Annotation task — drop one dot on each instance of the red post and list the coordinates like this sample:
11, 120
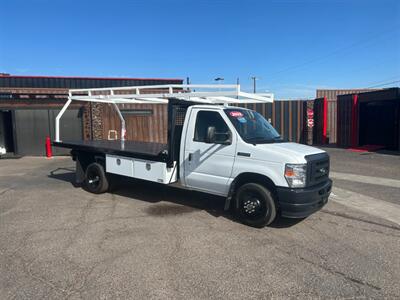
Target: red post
325, 121
354, 122
49, 152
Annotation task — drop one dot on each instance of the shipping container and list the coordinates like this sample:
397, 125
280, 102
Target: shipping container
370, 118
331, 96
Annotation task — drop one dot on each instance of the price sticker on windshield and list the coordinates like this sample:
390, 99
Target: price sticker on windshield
236, 114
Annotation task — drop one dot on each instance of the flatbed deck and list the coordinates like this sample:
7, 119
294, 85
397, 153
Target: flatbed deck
144, 150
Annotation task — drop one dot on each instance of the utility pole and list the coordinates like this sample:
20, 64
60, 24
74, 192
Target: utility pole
237, 83
254, 78
187, 82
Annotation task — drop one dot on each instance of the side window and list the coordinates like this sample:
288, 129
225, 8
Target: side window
206, 119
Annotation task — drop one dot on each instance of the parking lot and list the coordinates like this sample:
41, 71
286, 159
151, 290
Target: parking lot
144, 240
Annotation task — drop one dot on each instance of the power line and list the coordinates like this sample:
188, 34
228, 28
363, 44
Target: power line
332, 53
384, 80
383, 84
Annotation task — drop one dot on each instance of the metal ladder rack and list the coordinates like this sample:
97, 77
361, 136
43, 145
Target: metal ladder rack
156, 94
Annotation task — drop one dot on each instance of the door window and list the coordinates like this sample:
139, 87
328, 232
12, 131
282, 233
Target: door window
206, 119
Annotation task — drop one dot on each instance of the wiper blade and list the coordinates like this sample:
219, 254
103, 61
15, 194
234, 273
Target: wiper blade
260, 139
256, 138
263, 140
280, 139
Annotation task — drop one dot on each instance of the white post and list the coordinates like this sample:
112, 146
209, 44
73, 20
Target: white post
123, 128
237, 89
59, 117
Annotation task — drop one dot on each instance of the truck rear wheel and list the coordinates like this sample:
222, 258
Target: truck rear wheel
95, 179
255, 205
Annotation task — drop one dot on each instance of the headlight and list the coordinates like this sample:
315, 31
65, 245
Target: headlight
296, 174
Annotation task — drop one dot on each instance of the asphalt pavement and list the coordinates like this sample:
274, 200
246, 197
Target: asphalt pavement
371, 174
145, 240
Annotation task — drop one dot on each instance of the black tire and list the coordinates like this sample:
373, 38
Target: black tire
255, 205
96, 180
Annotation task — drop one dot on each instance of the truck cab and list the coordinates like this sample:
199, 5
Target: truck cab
236, 153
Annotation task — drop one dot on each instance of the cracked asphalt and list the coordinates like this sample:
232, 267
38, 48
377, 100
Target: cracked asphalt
148, 241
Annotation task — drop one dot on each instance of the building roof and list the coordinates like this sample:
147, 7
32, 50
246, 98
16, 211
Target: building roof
331, 94
71, 82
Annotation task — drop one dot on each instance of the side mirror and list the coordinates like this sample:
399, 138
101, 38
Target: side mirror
210, 135
213, 137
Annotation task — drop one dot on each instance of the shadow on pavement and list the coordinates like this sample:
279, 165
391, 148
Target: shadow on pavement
166, 200
282, 222
379, 151
64, 174
388, 152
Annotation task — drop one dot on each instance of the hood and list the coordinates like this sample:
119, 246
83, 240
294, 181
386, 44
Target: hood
284, 152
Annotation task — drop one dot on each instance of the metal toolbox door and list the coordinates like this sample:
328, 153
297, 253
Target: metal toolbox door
119, 165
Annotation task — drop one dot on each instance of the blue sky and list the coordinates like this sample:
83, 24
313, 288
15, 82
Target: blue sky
293, 46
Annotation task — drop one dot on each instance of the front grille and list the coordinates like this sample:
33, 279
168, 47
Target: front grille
317, 168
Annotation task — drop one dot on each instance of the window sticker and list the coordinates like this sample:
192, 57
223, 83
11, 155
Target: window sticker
242, 120
236, 114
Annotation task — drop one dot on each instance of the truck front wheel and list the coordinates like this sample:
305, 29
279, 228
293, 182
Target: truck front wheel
255, 205
95, 179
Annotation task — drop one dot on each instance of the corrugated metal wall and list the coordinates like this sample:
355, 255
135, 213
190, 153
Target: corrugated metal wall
332, 124
331, 95
349, 123
344, 120
318, 108
288, 117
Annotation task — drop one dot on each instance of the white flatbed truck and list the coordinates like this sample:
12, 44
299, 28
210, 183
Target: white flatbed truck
213, 148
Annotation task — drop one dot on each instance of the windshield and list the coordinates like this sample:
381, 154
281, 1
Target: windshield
252, 126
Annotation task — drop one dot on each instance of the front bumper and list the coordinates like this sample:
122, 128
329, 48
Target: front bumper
302, 202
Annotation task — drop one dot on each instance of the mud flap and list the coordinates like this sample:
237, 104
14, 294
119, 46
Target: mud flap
230, 195
80, 172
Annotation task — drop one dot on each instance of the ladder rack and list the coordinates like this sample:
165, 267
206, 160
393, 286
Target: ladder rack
212, 94
156, 94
